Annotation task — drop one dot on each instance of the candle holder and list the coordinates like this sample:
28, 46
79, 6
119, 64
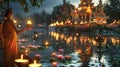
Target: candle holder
21, 62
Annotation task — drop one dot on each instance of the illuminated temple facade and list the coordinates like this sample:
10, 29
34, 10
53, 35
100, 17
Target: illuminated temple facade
88, 13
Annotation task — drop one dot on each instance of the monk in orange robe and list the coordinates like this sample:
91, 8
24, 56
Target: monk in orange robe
10, 47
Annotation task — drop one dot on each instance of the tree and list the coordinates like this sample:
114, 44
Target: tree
112, 9
41, 18
36, 18
62, 12
26, 4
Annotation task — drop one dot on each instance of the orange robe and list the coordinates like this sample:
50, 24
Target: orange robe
10, 43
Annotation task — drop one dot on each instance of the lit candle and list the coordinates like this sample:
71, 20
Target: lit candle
35, 64
14, 21
34, 61
21, 60
19, 26
29, 24
21, 57
53, 54
54, 64
26, 51
46, 44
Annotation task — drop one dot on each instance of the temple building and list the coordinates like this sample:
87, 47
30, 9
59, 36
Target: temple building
87, 12
99, 14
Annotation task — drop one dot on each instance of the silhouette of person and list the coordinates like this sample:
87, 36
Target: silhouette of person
9, 32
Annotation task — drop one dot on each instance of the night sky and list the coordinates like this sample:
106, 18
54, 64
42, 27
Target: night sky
47, 5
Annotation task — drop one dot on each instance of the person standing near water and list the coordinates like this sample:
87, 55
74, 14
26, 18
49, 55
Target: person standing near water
9, 32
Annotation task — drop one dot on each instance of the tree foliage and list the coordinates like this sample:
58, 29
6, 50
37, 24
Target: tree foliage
41, 18
112, 9
26, 4
36, 18
62, 12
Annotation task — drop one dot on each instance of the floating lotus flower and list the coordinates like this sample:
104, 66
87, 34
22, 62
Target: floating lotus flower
37, 57
22, 47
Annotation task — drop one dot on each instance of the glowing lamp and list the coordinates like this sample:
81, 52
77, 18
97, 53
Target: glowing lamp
46, 44
14, 21
29, 24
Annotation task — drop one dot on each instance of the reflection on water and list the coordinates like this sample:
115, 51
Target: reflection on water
84, 39
101, 53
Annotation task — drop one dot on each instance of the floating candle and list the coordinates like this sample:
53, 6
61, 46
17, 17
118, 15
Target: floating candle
29, 22
35, 64
54, 64
21, 60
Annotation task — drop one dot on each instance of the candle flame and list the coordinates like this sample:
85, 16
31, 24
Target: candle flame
54, 63
29, 22
34, 61
46, 43
26, 50
21, 56
14, 21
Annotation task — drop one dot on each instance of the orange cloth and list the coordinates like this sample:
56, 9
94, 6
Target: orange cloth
10, 43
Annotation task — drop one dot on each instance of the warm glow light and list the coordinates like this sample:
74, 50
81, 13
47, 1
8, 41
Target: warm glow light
89, 10
61, 23
68, 40
36, 35
57, 23
53, 54
77, 34
35, 64
26, 50
94, 42
21, 60
19, 25
57, 36
79, 51
79, 8
14, 21
21, 57
46, 44
113, 40
54, 64
29, 22
34, 61
62, 36
75, 38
